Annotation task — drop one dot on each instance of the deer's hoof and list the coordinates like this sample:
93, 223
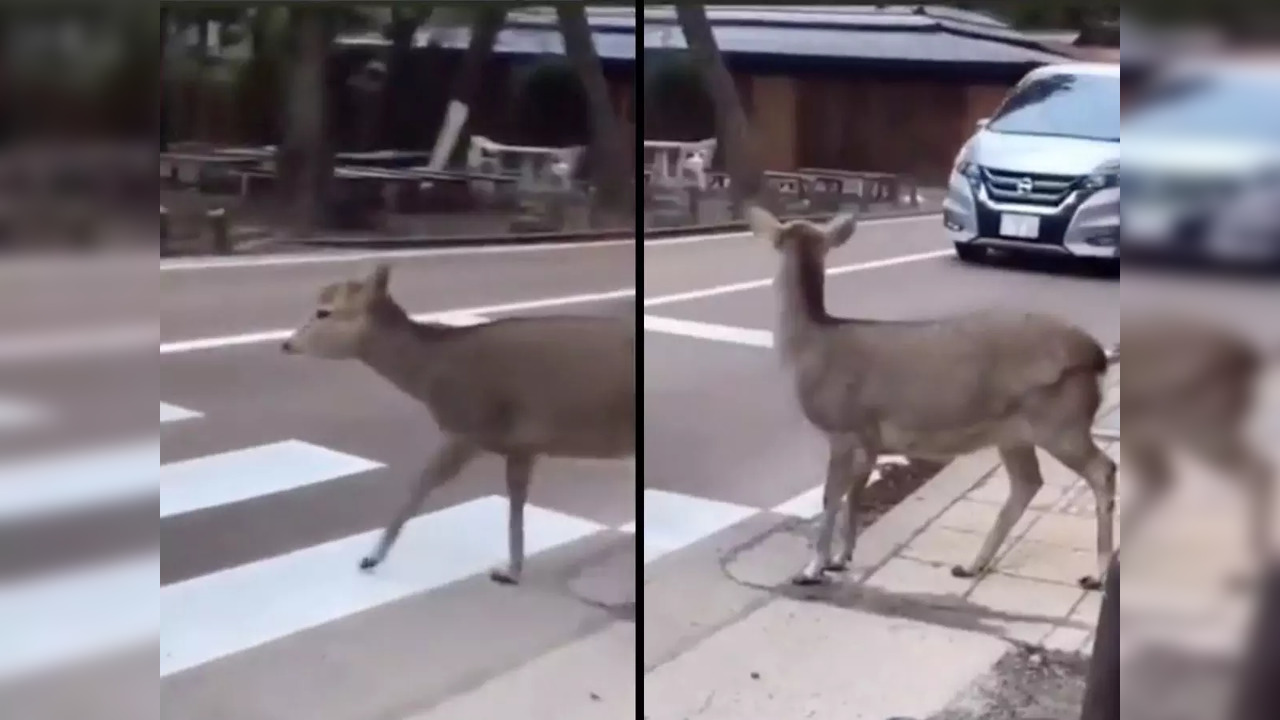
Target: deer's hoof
502, 577
368, 563
837, 566
960, 571
1089, 582
807, 580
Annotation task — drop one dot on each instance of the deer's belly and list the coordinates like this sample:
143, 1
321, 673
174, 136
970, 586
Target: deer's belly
943, 443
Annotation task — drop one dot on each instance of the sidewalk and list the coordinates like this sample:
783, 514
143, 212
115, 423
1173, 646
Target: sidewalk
899, 636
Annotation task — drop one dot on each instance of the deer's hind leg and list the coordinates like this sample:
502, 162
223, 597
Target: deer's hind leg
850, 463
1080, 453
1023, 468
444, 466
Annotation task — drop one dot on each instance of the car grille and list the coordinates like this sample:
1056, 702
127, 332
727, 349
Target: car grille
1176, 189
1028, 188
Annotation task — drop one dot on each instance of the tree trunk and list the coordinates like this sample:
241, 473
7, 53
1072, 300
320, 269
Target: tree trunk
466, 85
305, 158
742, 159
612, 164
397, 101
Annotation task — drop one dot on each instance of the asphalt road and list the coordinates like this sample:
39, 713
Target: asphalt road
273, 468
722, 432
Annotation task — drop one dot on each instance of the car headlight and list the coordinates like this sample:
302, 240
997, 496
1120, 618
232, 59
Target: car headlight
967, 169
1101, 180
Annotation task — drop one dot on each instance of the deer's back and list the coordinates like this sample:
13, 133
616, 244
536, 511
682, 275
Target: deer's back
958, 372
565, 384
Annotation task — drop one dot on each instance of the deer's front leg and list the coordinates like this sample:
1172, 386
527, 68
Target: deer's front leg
849, 462
519, 474
444, 466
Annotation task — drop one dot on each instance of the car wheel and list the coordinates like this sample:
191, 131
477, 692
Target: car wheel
970, 253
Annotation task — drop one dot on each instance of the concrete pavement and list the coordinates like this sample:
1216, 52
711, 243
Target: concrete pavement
274, 474
898, 635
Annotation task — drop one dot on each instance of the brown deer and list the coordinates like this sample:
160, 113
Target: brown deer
933, 390
522, 388
1192, 387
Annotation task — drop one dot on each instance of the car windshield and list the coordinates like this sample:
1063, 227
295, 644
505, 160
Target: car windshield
1222, 107
1063, 105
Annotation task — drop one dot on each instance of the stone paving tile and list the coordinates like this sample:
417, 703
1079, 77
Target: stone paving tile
1049, 563
995, 489
977, 517
1043, 606
1065, 531
905, 576
943, 546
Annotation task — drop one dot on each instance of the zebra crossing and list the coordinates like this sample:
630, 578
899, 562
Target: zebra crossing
231, 612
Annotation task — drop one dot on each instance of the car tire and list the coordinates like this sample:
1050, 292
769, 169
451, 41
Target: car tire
969, 253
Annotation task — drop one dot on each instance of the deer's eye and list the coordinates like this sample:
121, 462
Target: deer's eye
322, 314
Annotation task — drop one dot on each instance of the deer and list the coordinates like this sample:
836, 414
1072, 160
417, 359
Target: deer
933, 390
522, 388
1192, 389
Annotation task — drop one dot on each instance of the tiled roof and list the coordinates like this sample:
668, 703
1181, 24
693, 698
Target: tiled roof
861, 32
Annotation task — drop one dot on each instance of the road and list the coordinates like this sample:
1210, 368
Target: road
730, 467
275, 472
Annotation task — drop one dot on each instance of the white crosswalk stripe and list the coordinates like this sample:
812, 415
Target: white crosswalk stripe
229, 611
238, 608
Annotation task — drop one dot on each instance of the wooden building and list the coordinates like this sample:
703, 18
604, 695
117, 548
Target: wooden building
866, 88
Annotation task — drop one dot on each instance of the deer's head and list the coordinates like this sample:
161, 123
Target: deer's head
343, 317
801, 235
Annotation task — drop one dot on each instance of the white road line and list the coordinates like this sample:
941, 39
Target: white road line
709, 331
173, 413
757, 284
224, 478
674, 520
79, 479
285, 259
247, 606
464, 316
53, 620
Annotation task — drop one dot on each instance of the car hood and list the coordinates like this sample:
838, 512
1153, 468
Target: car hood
1041, 154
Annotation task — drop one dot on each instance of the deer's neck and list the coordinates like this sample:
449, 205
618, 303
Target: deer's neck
801, 285
403, 352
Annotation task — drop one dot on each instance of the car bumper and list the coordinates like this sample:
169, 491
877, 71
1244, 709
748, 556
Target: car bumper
1082, 226
1205, 235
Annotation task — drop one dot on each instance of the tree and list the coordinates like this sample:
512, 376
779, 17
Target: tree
305, 157
485, 25
612, 165
742, 159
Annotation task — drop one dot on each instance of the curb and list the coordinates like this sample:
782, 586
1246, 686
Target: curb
741, 225
582, 236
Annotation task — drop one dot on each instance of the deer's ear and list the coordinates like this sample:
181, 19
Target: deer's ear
840, 228
763, 224
379, 278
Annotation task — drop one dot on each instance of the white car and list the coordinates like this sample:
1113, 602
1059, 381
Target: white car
1042, 174
1202, 166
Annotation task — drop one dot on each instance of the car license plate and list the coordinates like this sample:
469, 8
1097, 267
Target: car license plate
1020, 226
